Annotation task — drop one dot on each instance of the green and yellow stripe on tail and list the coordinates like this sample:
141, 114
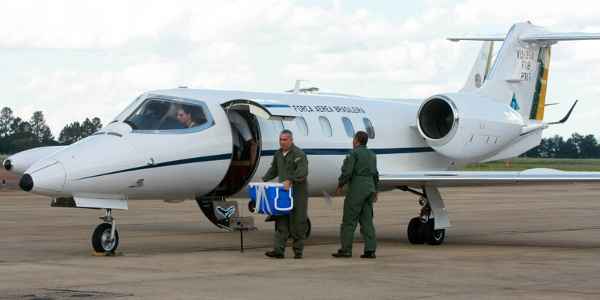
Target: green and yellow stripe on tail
539, 95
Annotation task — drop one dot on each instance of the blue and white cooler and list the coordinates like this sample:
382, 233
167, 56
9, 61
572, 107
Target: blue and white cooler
271, 198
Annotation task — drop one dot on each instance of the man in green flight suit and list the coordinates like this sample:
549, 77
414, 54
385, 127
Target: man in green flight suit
360, 173
291, 167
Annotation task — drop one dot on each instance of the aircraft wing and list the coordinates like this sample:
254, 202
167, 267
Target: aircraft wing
475, 178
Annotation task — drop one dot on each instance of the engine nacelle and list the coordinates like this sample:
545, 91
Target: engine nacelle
467, 127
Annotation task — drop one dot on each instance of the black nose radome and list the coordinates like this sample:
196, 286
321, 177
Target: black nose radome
7, 164
26, 183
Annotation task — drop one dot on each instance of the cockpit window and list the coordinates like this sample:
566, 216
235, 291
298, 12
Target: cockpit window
166, 114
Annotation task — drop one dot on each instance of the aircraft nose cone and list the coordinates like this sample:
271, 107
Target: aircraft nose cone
7, 165
26, 183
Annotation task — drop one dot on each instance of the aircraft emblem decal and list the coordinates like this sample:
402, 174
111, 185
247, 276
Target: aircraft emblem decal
514, 104
227, 212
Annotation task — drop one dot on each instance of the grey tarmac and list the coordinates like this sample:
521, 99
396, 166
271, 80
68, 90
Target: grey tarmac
538, 242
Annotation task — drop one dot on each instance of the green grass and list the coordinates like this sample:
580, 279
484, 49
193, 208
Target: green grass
3, 157
519, 164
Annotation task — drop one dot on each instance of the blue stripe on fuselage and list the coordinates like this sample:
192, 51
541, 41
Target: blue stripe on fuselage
309, 151
276, 105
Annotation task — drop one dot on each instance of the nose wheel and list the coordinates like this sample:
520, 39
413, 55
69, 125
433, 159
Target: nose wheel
105, 238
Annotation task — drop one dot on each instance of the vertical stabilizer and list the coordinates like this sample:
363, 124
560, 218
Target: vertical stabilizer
519, 76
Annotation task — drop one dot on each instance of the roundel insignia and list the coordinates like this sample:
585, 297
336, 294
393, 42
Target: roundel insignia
478, 80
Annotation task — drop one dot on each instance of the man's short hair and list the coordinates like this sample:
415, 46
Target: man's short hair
362, 138
288, 132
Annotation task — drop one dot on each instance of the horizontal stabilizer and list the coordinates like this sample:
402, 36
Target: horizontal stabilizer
482, 38
551, 37
558, 36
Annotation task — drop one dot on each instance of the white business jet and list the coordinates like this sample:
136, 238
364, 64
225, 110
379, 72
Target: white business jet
208, 145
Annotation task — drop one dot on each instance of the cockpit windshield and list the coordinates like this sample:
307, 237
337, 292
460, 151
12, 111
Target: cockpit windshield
169, 114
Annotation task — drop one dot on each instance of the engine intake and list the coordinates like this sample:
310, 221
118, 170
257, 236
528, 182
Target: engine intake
436, 118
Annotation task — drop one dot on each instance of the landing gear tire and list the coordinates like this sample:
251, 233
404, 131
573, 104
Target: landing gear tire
419, 232
101, 241
433, 236
415, 231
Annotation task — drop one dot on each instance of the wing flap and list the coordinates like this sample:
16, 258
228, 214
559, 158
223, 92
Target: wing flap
473, 178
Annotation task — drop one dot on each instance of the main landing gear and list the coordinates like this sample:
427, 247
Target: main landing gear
105, 238
430, 226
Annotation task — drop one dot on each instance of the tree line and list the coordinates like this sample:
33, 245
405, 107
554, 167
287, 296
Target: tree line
577, 146
17, 134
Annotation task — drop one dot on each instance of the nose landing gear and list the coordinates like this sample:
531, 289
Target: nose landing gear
105, 238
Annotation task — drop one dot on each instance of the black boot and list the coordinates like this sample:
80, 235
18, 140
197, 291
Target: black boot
341, 254
273, 254
369, 254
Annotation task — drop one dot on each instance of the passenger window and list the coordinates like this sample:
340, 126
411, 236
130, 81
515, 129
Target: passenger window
302, 126
348, 127
162, 114
369, 127
325, 126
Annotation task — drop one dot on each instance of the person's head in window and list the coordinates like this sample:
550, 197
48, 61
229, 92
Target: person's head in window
184, 116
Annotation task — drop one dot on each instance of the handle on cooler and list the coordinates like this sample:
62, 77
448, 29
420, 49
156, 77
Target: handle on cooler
291, 201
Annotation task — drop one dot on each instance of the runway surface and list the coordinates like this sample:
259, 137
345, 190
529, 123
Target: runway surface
505, 243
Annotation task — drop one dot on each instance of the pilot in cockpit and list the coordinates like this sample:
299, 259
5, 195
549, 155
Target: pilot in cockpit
184, 116
190, 116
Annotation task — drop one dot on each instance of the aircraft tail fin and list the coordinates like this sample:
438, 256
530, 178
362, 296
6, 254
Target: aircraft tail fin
519, 75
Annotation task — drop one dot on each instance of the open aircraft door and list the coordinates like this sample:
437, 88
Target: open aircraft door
247, 118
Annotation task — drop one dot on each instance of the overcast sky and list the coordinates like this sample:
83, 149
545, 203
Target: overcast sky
78, 59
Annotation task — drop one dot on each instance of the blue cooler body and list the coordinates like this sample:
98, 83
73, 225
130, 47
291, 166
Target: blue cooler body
271, 198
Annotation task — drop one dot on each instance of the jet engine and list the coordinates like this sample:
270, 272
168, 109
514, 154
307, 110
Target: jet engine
467, 127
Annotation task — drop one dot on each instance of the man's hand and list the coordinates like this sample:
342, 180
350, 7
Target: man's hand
339, 190
287, 185
375, 198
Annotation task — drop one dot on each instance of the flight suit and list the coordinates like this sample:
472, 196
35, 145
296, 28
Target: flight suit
359, 171
293, 167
